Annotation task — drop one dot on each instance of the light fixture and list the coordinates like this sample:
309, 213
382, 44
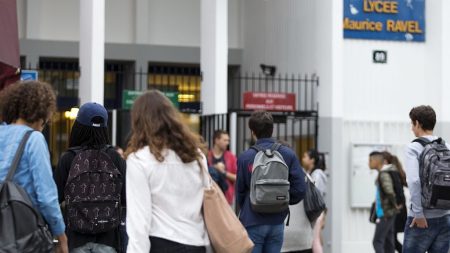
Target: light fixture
186, 97
72, 114
268, 70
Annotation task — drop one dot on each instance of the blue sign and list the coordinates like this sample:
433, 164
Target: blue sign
26, 75
400, 20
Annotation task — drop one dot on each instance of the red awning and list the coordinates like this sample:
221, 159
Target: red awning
9, 43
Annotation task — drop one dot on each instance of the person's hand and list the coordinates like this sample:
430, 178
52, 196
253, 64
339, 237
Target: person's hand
220, 167
62, 246
419, 222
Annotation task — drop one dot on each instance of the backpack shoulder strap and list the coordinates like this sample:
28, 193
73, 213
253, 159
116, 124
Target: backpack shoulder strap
75, 150
18, 155
439, 140
422, 141
275, 147
257, 148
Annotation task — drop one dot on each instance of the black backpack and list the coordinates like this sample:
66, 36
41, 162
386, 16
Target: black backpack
398, 186
434, 172
313, 201
400, 218
22, 228
93, 192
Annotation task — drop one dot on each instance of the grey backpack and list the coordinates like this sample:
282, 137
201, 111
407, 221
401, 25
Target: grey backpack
434, 172
269, 187
22, 228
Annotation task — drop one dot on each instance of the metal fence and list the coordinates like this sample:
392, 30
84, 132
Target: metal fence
297, 129
303, 86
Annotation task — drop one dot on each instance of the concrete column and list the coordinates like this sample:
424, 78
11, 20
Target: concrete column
214, 56
329, 65
114, 127
233, 133
92, 51
141, 80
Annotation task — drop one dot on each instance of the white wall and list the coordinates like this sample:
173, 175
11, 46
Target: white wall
357, 232
174, 22
362, 101
167, 22
377, 99
119, 21
280, 33
52, 19
412, 75
20, 17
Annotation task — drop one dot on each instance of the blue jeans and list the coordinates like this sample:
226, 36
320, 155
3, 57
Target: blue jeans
434, 239
267, 238
91, 247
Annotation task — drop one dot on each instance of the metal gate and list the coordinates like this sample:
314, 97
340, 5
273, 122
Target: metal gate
298, 129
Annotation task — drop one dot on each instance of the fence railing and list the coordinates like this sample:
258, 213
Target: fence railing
303, 86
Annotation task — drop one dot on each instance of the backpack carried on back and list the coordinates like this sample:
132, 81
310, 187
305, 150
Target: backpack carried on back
398, 187
269, 187
400, 218
434, 172
93, 192
22, 228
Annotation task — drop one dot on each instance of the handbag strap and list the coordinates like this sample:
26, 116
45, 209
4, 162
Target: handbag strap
309, 177
17, 156
206, 178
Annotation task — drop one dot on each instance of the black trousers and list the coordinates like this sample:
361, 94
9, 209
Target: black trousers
159, 245
302, 251
383, 240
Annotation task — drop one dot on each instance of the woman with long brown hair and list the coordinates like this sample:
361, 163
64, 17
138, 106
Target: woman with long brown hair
165, 180
400, 218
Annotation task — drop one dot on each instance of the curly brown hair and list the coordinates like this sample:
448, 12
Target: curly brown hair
30, 101
156, 123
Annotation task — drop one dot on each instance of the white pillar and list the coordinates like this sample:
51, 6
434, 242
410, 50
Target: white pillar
445, 107
92, 51
214, 56
329, 63
114, 127
233, 132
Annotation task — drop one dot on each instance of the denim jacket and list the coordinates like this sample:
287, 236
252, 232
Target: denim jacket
34, 172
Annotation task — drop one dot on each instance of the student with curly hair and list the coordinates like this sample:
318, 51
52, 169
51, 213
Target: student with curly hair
24, 107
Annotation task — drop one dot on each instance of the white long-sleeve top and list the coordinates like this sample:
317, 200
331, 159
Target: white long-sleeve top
164, 199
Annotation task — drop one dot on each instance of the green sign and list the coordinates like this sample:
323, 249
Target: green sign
128, 97
173, 97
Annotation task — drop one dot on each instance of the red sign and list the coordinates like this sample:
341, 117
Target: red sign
269, 101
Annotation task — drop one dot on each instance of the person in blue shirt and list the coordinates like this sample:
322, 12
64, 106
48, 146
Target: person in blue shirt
26, 106
386, 207
266, 230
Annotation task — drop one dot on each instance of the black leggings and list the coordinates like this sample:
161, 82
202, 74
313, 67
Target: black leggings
159, 245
